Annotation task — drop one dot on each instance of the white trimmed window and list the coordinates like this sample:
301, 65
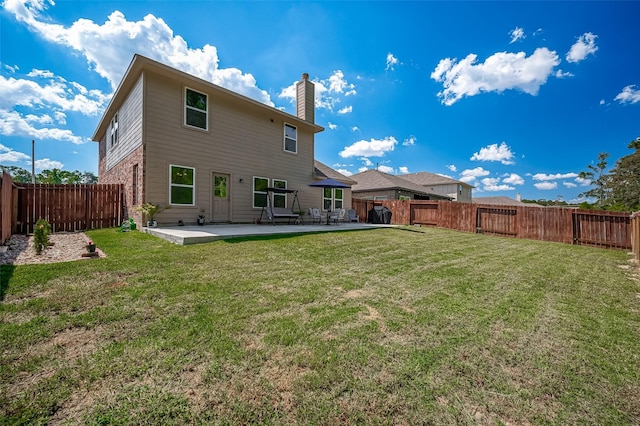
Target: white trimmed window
332, 198
195, 109
337, 197
260, 185
279, 200
290, 138
327, 199
182, 185
113, 131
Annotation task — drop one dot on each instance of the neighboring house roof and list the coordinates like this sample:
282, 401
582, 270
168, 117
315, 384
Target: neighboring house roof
141, 63
428, 179
322, 171
374, 180
503, 201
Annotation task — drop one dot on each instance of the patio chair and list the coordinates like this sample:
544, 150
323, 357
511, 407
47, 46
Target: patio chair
314, 214
353, 217
340, 216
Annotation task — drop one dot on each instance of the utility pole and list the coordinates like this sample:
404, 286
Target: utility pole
33, 181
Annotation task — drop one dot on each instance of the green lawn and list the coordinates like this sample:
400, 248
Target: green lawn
387, 326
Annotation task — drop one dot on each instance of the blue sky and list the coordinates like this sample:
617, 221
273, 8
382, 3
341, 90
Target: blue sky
511, 97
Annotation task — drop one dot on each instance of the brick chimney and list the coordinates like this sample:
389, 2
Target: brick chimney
305, 99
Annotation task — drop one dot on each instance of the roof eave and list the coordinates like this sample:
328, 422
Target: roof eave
139, 63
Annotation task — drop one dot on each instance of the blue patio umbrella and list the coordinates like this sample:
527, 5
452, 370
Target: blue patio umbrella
329, 183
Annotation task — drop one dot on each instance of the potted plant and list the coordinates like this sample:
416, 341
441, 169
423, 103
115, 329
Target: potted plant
201, 219
149, 211
91, 247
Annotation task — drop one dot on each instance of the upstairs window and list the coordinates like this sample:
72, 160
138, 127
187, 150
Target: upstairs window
182, 185
195, 109
113, 131
290, 138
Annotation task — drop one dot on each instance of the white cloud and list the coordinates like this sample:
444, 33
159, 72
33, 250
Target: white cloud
366, 161
403, 169
499, 72
494, 152
410, 141
492, 184
583, 181
14, 124
452, 167
628, 95
338, 84
8, 155
546, 177
12, 69
470, 175
109, 47
47, 164
546, 185
517, 34
585, 46
569, 184
371, 148
345, 110
513, 179
563, 74
328, 92
355, 129
386, 169
332, 126
344, 172
392, 61
55, 94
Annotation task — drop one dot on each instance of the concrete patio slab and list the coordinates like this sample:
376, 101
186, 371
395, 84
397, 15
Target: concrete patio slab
184, 235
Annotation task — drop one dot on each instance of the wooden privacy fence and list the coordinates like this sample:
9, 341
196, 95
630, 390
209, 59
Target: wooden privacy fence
635, 235
6, 206
68, 207
563, 225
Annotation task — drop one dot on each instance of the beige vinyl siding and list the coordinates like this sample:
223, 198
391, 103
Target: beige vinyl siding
129, 127
243, 141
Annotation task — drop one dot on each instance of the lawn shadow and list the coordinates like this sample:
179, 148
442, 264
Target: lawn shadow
6, 272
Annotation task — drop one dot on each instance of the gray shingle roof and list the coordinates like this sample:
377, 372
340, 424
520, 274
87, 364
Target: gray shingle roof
322, 171
503, 201
427, 178
373, 180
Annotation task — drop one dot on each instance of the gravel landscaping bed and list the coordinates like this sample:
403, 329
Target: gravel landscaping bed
66, 246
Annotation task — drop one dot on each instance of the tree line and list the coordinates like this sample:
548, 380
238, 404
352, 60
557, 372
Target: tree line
21, 175
617, 189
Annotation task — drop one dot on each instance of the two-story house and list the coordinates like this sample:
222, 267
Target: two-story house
177, 140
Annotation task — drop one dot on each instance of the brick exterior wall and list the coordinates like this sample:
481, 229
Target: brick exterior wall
123, 173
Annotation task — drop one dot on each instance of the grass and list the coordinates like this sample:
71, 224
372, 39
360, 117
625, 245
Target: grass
378, 327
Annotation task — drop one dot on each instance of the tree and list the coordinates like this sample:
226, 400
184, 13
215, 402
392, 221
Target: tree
599, 179
55, 176
18, 174
625, 179
89, 177
59, 176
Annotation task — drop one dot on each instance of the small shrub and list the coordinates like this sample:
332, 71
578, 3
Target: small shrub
41, 235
